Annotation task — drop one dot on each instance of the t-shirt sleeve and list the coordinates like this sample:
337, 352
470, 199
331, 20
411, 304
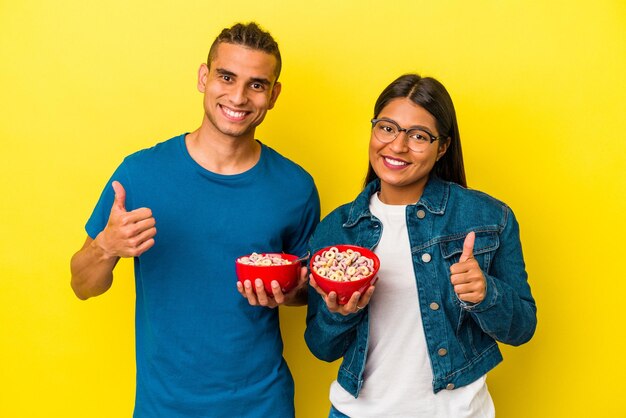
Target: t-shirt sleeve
310, 218
100, 215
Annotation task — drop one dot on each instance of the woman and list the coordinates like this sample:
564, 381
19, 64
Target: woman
452, 281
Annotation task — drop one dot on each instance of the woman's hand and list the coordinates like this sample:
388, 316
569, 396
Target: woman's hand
354, 305
466, 276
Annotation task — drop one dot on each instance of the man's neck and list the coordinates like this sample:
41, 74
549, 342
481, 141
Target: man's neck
223, 154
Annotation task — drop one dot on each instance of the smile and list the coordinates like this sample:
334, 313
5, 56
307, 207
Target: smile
395, 163
232, 114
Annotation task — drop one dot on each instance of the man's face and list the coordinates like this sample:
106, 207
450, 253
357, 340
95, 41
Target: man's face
239, 88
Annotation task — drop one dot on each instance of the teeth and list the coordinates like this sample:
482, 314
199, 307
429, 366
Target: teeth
233, 114
395, 162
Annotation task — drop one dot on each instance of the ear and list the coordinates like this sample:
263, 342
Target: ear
203, 74
275, 92
443, 147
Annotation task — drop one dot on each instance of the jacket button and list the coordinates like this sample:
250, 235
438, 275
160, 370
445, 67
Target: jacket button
442, 352
450, 386
421, 214
434, 306
426, 258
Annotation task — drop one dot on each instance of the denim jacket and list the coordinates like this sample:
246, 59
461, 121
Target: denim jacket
460, 337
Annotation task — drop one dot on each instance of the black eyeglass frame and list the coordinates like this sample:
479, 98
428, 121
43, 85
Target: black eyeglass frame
432, 137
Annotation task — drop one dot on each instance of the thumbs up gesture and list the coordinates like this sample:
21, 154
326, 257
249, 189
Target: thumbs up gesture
127, 234
466, 276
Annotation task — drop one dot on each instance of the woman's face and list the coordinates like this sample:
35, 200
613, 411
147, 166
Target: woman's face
403, 172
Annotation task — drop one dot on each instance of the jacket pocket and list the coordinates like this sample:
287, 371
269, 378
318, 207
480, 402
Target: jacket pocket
485, 246
486, 243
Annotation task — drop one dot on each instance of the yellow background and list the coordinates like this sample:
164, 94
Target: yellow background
540, 95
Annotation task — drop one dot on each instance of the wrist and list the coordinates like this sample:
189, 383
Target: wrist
99, 248
299, 298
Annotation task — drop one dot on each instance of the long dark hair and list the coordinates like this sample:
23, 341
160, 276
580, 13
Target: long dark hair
432, 96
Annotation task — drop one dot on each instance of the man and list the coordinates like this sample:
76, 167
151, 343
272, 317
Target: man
213, 194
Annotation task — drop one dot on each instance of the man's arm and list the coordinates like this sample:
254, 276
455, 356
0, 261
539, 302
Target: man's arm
92, 270
301, 295
127, 234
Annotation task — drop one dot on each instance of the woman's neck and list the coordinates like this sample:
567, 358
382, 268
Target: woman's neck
401, 195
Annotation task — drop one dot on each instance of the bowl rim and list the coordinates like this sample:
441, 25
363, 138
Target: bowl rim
368, 277
292, 256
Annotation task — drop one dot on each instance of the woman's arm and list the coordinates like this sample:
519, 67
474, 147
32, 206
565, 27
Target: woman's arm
328, 334
508, 312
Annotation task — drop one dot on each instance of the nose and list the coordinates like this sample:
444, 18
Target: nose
237, 95
400, 143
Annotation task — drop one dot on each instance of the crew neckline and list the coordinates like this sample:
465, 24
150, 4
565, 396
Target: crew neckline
375, 199
252, 171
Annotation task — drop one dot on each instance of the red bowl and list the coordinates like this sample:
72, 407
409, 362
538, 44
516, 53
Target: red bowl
345, 290
286, 274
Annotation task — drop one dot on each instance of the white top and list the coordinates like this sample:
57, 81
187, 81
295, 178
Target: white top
398, 375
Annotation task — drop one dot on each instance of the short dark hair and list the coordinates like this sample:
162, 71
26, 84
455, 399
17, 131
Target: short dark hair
432, 96
251, 36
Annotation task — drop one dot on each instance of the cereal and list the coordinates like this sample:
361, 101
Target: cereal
255, 259
345, 266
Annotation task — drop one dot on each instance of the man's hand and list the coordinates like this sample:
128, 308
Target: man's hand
127, 234
355, 304
466, 276
257, 296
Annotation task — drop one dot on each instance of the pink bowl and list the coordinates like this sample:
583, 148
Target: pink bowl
345, 290
286, 275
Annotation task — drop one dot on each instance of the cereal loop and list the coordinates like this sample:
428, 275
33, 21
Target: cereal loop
255, 259
346, 266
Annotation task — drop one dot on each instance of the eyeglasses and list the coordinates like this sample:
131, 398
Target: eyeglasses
387, 130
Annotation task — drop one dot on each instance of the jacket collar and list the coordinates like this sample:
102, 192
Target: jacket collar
434, 199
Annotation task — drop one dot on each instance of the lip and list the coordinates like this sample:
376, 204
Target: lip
386, 162
233, 115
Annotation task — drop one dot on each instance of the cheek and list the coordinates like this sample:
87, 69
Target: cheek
428, 158
374, 148
262, 101
428, 163
372, 155
211, 91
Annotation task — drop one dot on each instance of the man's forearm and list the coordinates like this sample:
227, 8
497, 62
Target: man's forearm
92, 270
300, 298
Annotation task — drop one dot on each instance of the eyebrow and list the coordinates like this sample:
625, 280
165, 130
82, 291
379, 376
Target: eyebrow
418, 127
223, 71
263, 81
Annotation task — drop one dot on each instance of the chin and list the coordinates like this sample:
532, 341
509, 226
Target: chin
403, 181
